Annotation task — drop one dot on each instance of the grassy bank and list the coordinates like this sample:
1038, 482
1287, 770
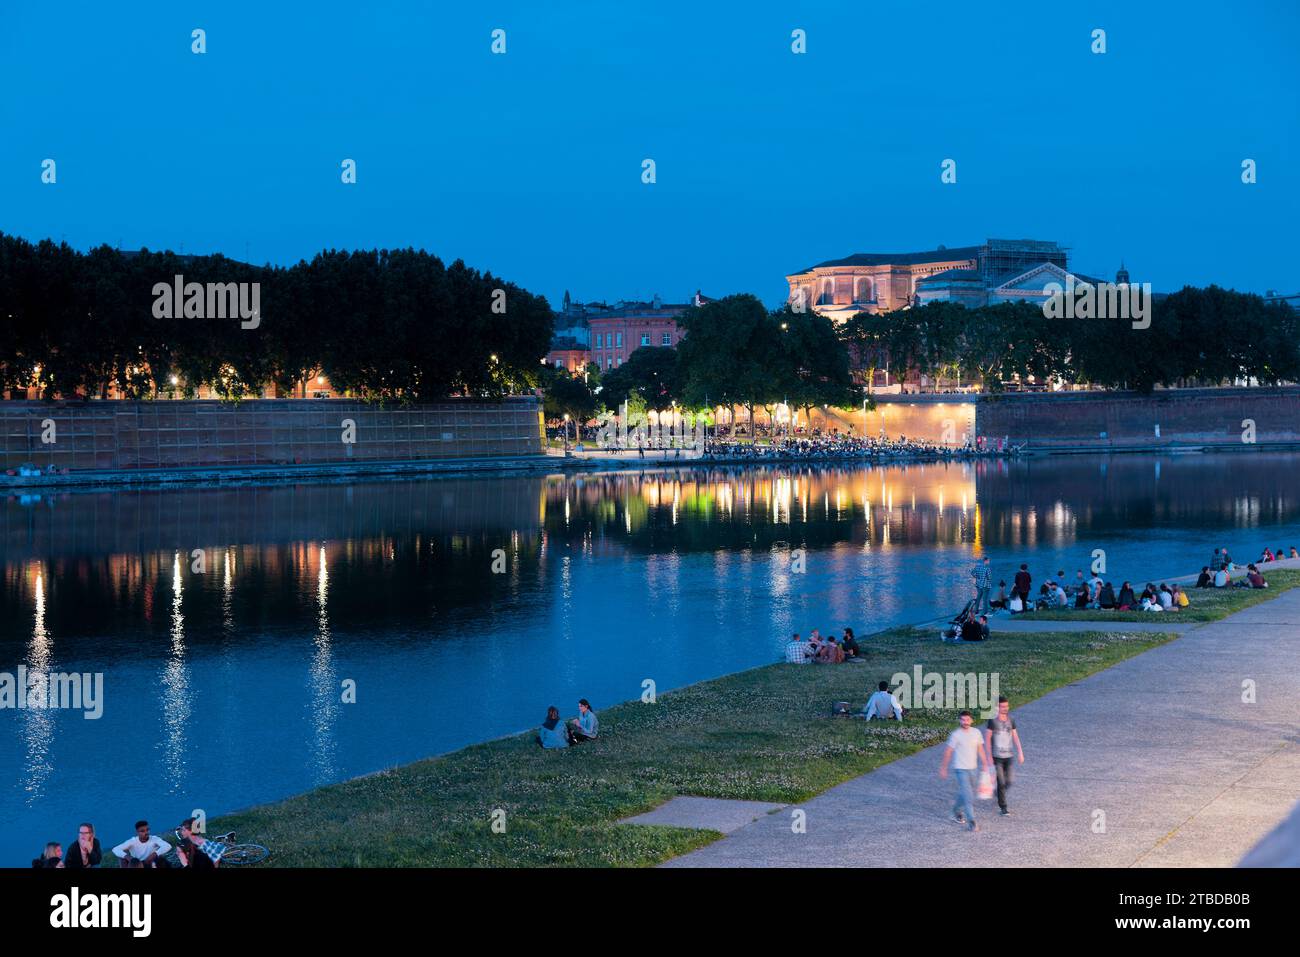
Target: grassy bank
1207, 604
762, 734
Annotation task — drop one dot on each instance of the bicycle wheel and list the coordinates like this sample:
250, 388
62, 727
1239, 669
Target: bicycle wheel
241, 854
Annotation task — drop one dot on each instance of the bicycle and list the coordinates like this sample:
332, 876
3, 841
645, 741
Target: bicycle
235, 854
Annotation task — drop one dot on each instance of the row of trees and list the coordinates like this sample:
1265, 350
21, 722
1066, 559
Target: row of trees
381, 324
737, 353
1195, 337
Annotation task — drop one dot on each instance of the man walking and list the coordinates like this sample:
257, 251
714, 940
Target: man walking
983, 576
1000, 735
966, 752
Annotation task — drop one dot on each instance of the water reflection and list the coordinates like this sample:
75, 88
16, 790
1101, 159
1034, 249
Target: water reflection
176, 688
38, 721
325, 696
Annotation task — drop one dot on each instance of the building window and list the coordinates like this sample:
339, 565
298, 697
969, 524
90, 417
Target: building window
863, 291
645, 338
620, 340
598, 340
667, 339
609, 363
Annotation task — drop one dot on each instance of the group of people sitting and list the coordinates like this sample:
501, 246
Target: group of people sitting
823, 651
1218, 574
193, 850
968, 626
557, 733
1271, 556
1085, 592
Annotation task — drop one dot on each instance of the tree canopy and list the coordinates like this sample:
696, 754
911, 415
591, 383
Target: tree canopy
381, 324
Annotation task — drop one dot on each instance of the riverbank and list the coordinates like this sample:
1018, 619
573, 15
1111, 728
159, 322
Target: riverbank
763, 734
1207, 604
1182, 757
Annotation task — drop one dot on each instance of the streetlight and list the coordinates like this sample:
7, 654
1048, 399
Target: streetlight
566, 433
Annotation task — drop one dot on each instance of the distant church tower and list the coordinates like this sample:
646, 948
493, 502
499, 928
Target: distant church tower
568, 303
1121, 277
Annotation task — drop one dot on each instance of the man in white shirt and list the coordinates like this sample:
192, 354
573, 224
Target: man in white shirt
966, 752
144, 850
883, 704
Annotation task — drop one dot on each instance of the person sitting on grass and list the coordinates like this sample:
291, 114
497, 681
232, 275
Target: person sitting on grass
1267, 556
1293, 553
850, 645
585, 726
815, 642
831, 653
51, 857
1205, 580
1001, 600
1181, 600
1127, 600
796, 651
1015, 606
143, 850
1082, 597
1221, 578
1166, 597
1060, 597
553, 733
975, 629
1253, 577
1106, 596
883, 705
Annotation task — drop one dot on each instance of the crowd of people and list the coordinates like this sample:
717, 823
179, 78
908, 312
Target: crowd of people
143, 850
1092, 591
558, 733
838, 446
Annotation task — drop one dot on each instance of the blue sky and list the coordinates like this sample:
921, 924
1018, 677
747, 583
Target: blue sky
529, 163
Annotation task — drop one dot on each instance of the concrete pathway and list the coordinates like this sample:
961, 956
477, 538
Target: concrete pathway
712, 814
1153, 762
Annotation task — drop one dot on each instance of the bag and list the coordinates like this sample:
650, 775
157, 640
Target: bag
985, 789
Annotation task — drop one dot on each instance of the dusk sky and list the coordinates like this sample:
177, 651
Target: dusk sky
529, 163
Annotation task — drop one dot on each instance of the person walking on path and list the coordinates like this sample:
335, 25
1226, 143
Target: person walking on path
983, 576
1003, 742
965, 751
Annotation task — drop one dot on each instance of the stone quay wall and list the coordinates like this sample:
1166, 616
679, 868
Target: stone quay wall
120, 435
1101, 421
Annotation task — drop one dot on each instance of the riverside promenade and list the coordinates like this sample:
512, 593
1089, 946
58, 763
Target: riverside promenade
1155, 762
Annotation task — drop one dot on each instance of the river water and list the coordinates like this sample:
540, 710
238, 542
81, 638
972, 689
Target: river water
229, 623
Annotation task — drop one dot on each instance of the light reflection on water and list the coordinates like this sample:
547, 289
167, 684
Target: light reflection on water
230, 693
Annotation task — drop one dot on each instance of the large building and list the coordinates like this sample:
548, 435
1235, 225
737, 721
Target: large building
1000, 270
611, 333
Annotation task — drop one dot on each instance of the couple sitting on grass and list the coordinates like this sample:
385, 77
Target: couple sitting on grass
555, 733
825, 651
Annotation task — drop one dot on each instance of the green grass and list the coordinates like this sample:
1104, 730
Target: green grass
1207, 604
762, 734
